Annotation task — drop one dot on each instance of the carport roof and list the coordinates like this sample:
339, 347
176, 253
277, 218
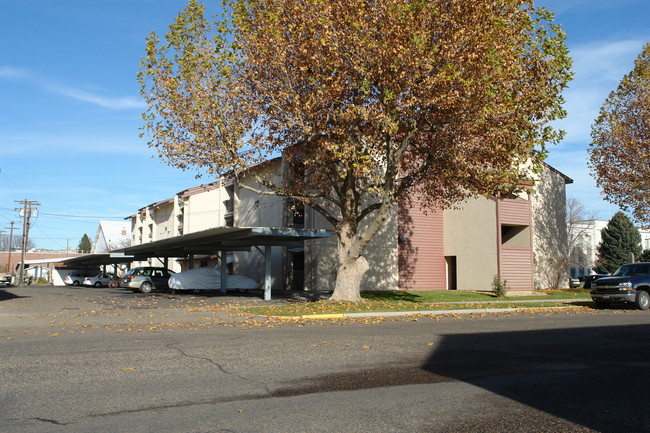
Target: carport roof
217, 239
98, 259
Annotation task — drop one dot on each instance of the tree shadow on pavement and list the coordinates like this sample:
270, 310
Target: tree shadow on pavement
4, 295
593, 377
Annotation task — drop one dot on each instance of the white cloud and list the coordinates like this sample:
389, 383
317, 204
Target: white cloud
13, 72
102, 101
25, 144
50, 85
599, 67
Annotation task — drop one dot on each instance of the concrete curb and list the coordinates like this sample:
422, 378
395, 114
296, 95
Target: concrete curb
419, 313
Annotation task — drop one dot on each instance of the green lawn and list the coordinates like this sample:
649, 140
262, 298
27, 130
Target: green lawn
422, 301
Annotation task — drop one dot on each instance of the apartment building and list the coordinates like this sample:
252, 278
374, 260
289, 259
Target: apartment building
521, 239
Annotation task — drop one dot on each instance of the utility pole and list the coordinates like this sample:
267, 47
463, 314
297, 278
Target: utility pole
26, 211
1, 238
11, 239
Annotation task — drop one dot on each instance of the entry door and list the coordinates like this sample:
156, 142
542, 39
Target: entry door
451, 273
298, 271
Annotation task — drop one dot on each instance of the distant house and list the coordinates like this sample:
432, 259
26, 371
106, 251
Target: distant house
588, 236
111, 235
521, 239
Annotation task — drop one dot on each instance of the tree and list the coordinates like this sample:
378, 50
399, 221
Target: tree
645, 256
620, 151
620, 239
579, 222
368, 102
84, 245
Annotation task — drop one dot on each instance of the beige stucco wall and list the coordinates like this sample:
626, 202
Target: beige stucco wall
550, 237
259, 210
204, 210
381, 254
163, 221
470, 234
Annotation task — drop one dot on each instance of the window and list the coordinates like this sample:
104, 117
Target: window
296, 212
515, 236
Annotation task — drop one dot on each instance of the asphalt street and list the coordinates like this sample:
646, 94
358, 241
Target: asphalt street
103, 360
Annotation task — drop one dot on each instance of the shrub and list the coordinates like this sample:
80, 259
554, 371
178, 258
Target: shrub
499, 287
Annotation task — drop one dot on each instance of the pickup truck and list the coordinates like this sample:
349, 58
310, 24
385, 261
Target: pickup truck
630, 284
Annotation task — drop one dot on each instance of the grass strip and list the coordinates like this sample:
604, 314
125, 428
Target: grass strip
422, 301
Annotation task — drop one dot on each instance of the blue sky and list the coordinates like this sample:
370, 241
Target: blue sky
70, 109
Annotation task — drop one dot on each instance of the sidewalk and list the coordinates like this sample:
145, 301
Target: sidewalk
448, 311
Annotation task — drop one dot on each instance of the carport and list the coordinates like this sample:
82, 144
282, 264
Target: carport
85, 261
219, 241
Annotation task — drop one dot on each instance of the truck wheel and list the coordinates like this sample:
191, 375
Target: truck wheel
642, 300
146, 287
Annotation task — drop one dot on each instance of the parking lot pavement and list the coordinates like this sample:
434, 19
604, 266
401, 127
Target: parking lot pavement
81, 309
56, 309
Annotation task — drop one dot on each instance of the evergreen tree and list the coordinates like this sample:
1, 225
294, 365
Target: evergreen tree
619, 239
85, 245
645, 256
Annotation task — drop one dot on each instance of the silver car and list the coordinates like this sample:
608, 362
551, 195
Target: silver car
146, 279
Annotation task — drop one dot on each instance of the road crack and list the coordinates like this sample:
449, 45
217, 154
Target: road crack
51, 421
264, 386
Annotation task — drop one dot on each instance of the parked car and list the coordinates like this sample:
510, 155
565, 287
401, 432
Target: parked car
146, 279
115, 282
589, 279
209, 278
630, 284
99, 280
76, 278
5, 279
574, 283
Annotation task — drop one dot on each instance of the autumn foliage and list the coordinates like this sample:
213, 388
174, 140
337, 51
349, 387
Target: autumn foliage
620, 151
369, 101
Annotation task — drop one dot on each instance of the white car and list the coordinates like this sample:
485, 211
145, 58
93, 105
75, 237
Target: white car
99, 280
76, 278
208, 278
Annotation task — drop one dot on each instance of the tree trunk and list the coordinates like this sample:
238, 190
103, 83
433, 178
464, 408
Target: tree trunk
352, 266
348, 280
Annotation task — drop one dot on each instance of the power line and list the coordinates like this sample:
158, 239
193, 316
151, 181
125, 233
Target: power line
81, 216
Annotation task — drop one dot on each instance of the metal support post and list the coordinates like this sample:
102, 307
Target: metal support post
267, 276
223, 257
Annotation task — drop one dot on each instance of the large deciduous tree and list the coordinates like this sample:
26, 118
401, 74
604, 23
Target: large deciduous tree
370, 102
620, 151
620, 239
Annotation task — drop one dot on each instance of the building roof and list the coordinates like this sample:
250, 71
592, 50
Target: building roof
567, 179
111, 235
